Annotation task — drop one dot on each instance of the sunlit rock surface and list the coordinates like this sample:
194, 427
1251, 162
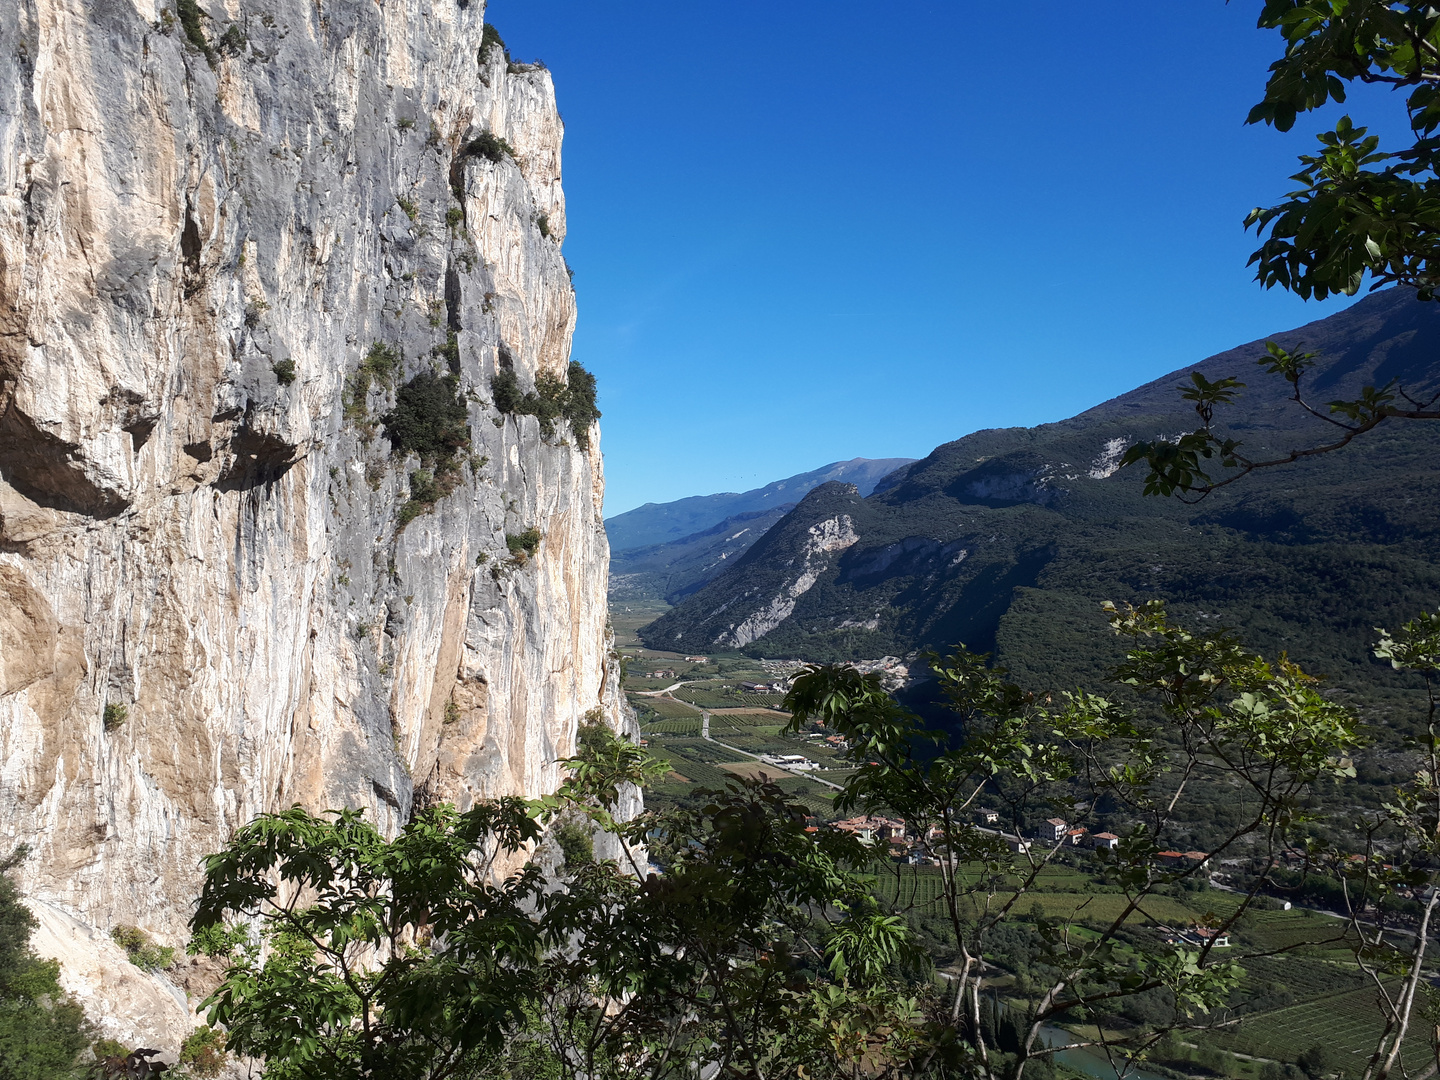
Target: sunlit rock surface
216, 554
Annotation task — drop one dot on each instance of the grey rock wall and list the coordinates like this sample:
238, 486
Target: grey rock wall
217, 552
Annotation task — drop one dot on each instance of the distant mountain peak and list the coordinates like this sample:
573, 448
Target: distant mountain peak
660, 523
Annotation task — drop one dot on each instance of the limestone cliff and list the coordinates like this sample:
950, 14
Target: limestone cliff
208, 219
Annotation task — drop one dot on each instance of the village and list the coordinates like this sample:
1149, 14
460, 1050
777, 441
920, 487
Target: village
905, 845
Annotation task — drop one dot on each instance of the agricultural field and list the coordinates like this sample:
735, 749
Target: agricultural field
1313, 995
757, 742
709, 695
817, 799
674, 727
686, 774
923, 891
1346, 1022
744, 721
670, 710
761, 699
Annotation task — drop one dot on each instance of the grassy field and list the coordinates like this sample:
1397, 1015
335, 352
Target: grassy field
626, 618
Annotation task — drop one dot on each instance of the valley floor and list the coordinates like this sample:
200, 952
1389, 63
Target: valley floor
700, 716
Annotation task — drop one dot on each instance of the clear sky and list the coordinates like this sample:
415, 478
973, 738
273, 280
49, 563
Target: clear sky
806, 231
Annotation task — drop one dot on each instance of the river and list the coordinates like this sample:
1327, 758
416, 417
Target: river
1090, 1062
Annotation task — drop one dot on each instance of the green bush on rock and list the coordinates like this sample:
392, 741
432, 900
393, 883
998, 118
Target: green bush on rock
144, 953
429, 420
572, 398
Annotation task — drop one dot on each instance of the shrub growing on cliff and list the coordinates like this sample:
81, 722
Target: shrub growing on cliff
523, 545
202, 1054
580, 408
576, 843
429, 419
144, 953
381, 363
487, 145
490, 39
115, 716
233, 42
190, 16
572, 398
450, 351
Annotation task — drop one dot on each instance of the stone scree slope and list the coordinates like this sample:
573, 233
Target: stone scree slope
220, 553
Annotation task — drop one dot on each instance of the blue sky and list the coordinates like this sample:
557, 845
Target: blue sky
803, 232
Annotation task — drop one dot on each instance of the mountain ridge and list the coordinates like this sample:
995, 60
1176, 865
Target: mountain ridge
674, 570
1006, 540
681, 519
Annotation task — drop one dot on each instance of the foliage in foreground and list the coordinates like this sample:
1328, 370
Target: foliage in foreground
42, 1030
424, 957
760, 946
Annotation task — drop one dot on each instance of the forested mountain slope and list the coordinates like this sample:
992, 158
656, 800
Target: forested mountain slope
1007, 540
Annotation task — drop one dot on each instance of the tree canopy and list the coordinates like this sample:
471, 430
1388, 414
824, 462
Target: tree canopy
42, 1029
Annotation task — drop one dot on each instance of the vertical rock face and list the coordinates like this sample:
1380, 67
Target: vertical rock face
214, 551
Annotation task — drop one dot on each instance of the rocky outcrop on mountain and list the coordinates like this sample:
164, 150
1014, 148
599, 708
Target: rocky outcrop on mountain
245, 255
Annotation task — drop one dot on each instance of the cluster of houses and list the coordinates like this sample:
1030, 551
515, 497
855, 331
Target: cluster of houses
662, 673
893, 671
1196, 937
779, 686
906, 847
1055, 832
895, 834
